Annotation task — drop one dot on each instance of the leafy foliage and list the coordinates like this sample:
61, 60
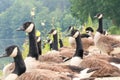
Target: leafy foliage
110, 8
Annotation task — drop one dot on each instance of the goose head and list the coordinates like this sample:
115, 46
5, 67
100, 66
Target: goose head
75, 33
99, 16
11, 51
38, 39
27, 27
53, 32
70, 28
14, 52
49, 41
89, 30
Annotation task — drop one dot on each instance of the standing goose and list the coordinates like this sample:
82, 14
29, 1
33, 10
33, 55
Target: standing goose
106, 69
14, 52
106, 44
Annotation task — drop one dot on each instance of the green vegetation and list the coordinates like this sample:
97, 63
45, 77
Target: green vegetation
110, 8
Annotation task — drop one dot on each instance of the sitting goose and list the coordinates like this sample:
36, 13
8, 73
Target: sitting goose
106, 69
106, 44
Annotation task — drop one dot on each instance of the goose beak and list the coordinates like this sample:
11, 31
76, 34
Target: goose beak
20, 29
3, 55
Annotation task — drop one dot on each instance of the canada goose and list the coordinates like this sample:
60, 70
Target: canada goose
55, 39
71, 39
106, 69
55, 55
31, 60
89, 31
50, 43
63, 51
33, 54
106, 44
14, 52
52, 55
39, 45
86, 41
61, 43
10, 67
29, 27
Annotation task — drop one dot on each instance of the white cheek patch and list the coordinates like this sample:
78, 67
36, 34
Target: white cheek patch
38, 40
14, 53
100, 16
71, 28
30, 28
76, 34
55, 32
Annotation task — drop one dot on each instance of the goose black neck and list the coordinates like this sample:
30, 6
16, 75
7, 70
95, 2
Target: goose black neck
55, 42
61, 43
51, 44
100, 27
33, 48
19, 64
39, 47
79, 48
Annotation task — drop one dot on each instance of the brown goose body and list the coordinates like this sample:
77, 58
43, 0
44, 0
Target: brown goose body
106, 69
67, 52
108, 45
87, 43
43, 75
51, 56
